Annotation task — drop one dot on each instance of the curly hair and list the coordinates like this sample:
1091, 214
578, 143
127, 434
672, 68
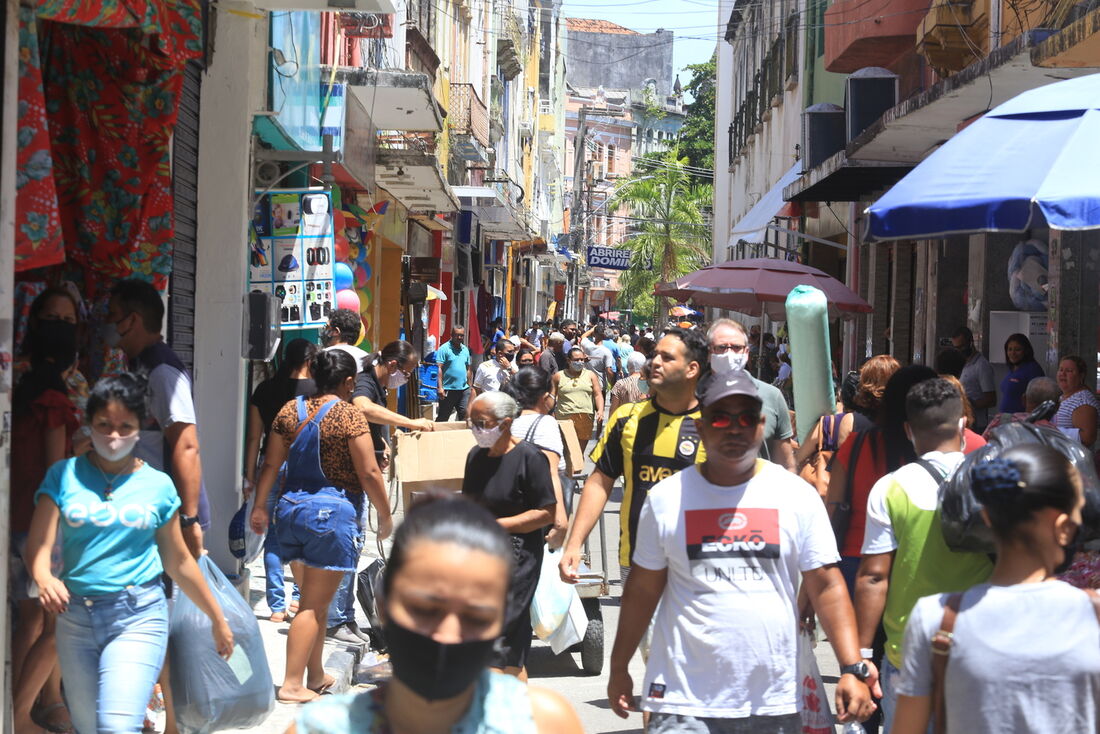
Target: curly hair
873, 376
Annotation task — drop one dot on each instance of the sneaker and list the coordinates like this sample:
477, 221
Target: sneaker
358, 632
344, 633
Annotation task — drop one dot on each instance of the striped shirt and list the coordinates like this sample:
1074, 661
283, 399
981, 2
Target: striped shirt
645, 444
1064, 417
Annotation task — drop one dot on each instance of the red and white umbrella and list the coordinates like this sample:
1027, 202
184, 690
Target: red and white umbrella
760, 285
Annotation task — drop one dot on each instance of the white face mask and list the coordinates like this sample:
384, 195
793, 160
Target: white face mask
396, 380
114, 449
723, 364
486, 437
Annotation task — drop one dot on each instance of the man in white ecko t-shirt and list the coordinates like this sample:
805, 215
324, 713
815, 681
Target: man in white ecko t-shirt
721, 546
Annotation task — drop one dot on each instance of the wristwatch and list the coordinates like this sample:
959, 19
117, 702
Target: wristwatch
860, 670
187, 521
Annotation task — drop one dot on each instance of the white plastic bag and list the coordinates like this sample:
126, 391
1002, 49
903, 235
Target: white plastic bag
209, 693
550, 607
243, 543
813, 702
571, 631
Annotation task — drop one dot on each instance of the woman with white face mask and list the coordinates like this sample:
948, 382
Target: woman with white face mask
119, 532
511, 478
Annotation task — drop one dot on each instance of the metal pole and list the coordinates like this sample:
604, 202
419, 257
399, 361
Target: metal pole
576, 219
7, 304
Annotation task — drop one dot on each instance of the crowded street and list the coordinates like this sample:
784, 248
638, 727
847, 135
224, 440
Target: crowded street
550, 366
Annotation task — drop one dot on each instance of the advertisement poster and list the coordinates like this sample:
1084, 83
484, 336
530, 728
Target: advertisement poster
291, 249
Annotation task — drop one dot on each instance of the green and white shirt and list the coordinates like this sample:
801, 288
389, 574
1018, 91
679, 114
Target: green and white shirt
903, 517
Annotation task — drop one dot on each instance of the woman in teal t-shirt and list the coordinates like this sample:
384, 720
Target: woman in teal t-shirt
444, 596
119, 534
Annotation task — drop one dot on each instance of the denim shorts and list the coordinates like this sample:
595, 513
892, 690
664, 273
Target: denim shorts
319, 528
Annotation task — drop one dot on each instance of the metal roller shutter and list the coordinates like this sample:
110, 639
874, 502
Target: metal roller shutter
185, 182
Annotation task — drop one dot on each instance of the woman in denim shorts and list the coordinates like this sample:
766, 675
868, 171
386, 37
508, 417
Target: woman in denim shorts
119, 534
330, 467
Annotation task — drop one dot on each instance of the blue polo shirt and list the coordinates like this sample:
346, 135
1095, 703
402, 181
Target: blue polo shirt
454, 366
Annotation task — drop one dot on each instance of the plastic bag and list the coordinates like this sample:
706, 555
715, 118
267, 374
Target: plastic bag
368, 588
572, 629
960, 512
553, 597
243, 542
209, 693
813, 706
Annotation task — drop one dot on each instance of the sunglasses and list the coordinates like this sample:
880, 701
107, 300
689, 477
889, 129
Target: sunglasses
723, 348
718, 419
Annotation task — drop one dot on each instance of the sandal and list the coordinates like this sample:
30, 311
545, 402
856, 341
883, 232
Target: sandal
42, 714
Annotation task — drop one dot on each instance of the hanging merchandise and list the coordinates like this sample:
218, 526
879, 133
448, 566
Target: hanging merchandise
292, 254
343, 276
348, 299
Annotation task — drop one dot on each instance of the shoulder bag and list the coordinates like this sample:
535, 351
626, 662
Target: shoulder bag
841, 515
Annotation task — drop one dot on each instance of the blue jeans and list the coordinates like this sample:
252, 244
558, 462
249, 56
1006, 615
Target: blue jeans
111, 649
342, 609
275, 589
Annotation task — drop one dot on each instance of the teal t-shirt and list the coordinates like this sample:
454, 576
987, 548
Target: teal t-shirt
108, 544
454, 366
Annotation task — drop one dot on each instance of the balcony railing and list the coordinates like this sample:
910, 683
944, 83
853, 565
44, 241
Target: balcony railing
468, 115
777, 70
415, 142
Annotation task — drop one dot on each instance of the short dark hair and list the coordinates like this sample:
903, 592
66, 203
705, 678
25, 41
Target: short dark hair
330, 368
1023, 480
528, 386
348, 323
577, 349
524, 351
695, 344
447, 518
933, 408
126, 389
140, 297
499, 346
1025, 343
568, 322
950, 361
964, 332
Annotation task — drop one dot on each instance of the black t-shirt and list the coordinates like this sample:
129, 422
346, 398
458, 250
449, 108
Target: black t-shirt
511, 484
271, 395
548, 361
367, 386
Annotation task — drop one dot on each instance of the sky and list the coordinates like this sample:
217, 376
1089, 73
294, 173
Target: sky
694, 23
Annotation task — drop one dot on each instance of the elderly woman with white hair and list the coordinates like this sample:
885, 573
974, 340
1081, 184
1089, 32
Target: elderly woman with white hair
511, 478
633, 387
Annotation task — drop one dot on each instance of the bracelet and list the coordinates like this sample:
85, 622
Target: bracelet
866, 653
187, 521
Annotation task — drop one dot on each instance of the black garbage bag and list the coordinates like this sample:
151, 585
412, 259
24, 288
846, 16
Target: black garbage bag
963, 527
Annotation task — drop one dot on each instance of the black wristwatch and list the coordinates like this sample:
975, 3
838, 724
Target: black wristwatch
860, 670
187, 521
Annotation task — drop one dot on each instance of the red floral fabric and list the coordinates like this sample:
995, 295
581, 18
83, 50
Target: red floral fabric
111, 73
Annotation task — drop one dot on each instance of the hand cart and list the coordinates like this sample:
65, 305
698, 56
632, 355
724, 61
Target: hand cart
591, 586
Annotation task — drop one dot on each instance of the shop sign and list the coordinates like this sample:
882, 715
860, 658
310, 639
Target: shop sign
291, 254
608, 257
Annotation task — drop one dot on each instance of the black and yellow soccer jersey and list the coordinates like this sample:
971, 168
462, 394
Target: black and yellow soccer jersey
644, 444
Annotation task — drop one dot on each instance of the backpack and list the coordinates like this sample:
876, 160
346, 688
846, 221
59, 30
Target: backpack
816, 468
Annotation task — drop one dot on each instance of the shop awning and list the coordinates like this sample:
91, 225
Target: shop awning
499, 219
753, 226
395, 100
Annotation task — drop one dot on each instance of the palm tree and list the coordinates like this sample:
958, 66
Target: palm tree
672, 236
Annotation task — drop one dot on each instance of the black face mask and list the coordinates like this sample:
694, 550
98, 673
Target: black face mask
54, 340
507, 357
434, 670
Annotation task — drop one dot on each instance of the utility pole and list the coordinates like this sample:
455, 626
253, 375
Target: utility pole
578, 227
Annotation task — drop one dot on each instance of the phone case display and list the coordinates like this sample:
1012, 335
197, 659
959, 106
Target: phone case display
290, 251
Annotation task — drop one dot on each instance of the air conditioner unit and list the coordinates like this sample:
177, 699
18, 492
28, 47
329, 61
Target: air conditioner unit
868, 92
599, 171
822, 133
362, 6
526, 129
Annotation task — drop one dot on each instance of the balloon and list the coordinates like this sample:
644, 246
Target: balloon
339, 222
343, 247
367, 297
347, 299
362, 334
343, 276
353, 253
367, 269
361, 277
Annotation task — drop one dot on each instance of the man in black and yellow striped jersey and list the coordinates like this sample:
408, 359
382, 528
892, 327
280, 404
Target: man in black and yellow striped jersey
644, 443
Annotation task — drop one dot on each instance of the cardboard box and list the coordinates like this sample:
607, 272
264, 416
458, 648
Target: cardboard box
574, 452
434, 460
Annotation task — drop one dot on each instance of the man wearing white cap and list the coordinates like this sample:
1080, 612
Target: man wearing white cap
723, 545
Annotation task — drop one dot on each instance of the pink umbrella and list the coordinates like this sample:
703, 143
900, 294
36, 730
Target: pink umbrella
759, 285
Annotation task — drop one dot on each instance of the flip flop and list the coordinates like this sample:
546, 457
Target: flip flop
41, 716
323, 689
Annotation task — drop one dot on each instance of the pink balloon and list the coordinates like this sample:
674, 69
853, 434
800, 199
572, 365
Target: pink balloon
361, 276
347, 299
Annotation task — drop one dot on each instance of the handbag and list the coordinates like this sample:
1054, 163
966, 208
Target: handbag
841, 516
941, 644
